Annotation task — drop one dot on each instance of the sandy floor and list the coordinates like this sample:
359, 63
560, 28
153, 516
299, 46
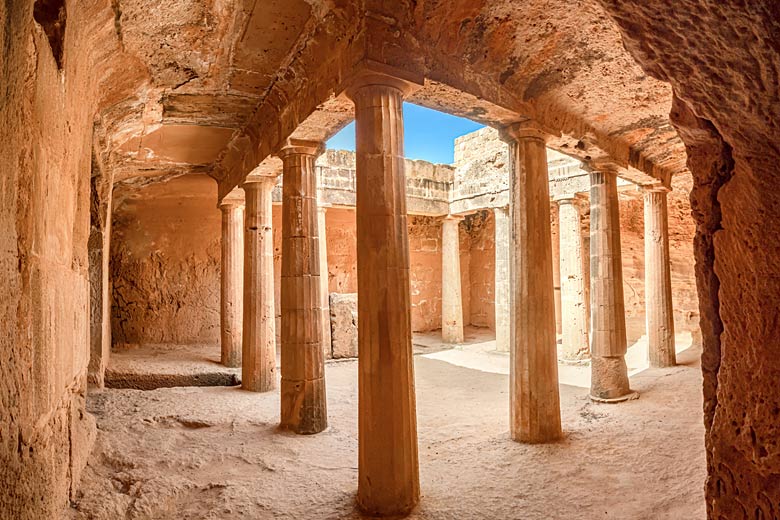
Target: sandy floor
213, 453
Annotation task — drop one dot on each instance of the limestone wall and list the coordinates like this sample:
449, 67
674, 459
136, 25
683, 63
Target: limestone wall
45, 152
165, 257
480, 230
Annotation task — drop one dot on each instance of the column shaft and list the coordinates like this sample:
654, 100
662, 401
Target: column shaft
658, 281
303, 403
387, 426
534, 397
501, 281
451, 294
573, 302
556, 263
258, 367
232, 282
609, 374
327, 346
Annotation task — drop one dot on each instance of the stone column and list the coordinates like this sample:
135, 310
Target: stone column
258, 366
658, 279
232, 281
534, 398
388, 474
451, 294
573, 294
501, 282
556, 263
303, 402
327, 347
609, 374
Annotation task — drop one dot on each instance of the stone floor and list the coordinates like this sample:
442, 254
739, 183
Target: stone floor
146, 367
216, 452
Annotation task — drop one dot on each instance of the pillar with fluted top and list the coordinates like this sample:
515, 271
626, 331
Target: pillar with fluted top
232, 280
556, 263
574, 331
501, 283
258, 366
659, 315
388, 474
534, 397
451, 293
303, 402
324, 287
609, 374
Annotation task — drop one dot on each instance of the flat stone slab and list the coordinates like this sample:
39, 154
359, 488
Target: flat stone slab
146, 367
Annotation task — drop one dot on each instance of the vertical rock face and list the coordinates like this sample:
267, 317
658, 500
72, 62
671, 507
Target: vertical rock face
45, 431
165, 264
721, 60
344, 322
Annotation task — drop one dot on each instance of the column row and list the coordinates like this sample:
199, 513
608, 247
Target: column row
388, 475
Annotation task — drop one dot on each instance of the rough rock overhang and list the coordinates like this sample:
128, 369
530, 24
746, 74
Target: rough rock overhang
233, 79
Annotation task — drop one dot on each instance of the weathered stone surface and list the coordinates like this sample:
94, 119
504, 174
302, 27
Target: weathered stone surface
165, 264
535, 409
715, 55
343, 323
155, 90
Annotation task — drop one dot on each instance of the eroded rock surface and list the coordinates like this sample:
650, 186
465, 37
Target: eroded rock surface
722, 62
344, 323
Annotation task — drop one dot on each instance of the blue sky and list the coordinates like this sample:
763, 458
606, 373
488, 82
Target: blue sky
428, 134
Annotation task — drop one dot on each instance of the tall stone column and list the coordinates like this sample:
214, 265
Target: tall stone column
451, 293
387, 427
556, 263
658, 279
232, 281
324, 287
534, 397
303, 402
609, 374
573, 295
501, 282
258, 366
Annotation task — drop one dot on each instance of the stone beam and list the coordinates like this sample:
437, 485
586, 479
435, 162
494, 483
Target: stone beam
325, 52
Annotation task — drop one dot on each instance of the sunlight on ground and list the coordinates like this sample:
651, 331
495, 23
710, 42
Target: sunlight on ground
481, 355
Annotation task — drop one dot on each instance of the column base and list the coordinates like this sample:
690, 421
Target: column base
628, 397
303, 406
452, 338
231, 361
609, 379
390, 511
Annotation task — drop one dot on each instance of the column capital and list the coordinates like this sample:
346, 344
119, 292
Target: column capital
300, 147
370, 73
523, 130
603, 165
233, 199
456, 218
577, 200
656, 187
258, 181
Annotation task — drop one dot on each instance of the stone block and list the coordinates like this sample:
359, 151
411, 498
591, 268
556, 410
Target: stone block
343, 325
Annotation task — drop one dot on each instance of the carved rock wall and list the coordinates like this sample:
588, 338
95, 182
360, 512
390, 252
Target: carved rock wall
165, 258
721, 59
45, 152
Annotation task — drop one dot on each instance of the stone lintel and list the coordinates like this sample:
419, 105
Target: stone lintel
370, 72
